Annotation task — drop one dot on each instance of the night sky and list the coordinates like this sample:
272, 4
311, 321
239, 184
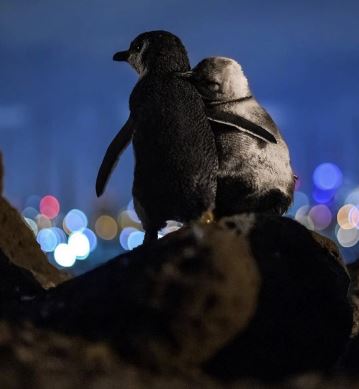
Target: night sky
62, 98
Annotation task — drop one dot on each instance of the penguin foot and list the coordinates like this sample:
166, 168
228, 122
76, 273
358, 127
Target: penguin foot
207, 217
150, 236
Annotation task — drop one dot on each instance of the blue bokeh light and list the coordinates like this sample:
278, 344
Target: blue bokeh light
60, 235
323, 196
135, 239
124, 235
75, 220
47, 240
92, 238
30, 212
327, 176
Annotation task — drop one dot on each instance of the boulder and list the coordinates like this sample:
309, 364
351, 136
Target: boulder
304, 316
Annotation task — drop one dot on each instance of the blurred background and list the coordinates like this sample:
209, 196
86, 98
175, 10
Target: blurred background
63, 99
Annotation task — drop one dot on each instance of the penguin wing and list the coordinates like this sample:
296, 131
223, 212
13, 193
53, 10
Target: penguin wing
113, 154
241, 123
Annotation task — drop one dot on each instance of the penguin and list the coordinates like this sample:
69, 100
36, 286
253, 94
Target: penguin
255, 173
176, 162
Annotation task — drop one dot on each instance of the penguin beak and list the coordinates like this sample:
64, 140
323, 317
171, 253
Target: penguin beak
121, 56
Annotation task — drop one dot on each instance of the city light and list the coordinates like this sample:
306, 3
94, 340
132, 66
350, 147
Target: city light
74, 220
64, 255
327, 176
49, 206
333, 210
106, 227
80, 245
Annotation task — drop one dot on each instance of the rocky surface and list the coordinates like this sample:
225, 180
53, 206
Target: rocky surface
303, 318
36, 359
166, 306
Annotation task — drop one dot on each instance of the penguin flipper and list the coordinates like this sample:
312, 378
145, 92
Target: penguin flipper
113, 154
245, 125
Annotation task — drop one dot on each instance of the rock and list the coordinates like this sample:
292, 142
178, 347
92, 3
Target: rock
304, 317
333, 250
17, 284
18, 244
354, 292
36, 359
168, 305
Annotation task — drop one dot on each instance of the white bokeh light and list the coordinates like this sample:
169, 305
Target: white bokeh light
64, 255
79, 244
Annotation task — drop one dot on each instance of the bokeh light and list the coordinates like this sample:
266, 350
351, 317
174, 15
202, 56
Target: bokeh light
327, 176
64, 255
171, 226
47, 240
354, 217
60, 235
130, 205
323, 196
348, 237
321, 217
49, 206
353, 197
75, 220
302, 216
76, 241
129, 218
30, 213
106, 227
343, 217
43, 221
124, 235
92, 238
135, 239
79, 244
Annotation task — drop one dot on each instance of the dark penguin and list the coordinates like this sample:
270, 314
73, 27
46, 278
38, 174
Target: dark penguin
255, 173
176, 164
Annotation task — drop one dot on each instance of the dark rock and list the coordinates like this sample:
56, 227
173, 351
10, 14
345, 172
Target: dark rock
304, 317
354, 292
169, 305
17, 284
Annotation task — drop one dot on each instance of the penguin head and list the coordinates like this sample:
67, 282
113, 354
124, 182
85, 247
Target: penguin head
155, 51
219, 79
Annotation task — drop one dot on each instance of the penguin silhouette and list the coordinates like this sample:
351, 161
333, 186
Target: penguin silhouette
255, 173
176, 163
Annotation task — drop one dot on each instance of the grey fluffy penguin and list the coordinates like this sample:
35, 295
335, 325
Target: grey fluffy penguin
255, 173
176, 161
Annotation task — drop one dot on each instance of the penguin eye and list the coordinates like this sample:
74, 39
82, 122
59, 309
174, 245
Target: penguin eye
213, 85
136, 47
